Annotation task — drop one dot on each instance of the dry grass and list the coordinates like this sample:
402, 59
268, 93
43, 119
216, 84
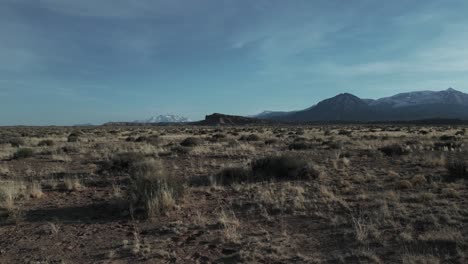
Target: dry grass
34, 190
230, 224
73, 184
153, 189
10, 191
390, 193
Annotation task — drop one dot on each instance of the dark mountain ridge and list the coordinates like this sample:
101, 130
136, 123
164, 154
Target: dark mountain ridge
447, 104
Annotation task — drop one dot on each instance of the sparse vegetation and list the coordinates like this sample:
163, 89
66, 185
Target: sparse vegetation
387, 193
23, 153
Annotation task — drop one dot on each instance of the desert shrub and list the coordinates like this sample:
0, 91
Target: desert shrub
251, 137
447, 145
15, 142
46, 143
191, 142
152, 189
447, 138
333, 144
394, 150
300, 132
153, 139
300, 145
73, 138
180, 150
23, 153
231, 175
220, 136
418, 180
282, 168
70, 149
122, 162
217, 138
141, 139
345, 132
130, 139
198, 181
457, 168
271, 141
370, 137
404, 184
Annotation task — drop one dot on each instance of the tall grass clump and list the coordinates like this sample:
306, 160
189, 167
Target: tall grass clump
153, 190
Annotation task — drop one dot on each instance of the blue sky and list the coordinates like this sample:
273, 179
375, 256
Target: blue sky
67, 62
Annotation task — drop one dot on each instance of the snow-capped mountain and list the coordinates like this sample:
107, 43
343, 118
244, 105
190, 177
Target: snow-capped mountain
164, 119
449, 96
449, 104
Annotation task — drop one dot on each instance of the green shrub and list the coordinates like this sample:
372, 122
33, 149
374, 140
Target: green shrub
23, 153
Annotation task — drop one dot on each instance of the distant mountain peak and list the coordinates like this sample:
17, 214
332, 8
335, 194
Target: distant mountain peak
449, 96
222, 119
343, 100
164, 119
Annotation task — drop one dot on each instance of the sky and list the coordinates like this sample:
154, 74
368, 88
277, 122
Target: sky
65, 62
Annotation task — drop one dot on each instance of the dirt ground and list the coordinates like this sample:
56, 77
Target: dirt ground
373, 194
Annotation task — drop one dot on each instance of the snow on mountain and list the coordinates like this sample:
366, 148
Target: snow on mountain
449, 96
448, 103
164, 119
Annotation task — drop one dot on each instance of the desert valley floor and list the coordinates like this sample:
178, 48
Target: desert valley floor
245, 194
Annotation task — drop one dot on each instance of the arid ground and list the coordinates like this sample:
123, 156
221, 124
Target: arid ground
252, 194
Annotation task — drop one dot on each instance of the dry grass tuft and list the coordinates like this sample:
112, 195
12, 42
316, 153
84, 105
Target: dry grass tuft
153, 189
73, 184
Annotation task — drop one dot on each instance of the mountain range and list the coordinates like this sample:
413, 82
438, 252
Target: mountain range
446, 104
